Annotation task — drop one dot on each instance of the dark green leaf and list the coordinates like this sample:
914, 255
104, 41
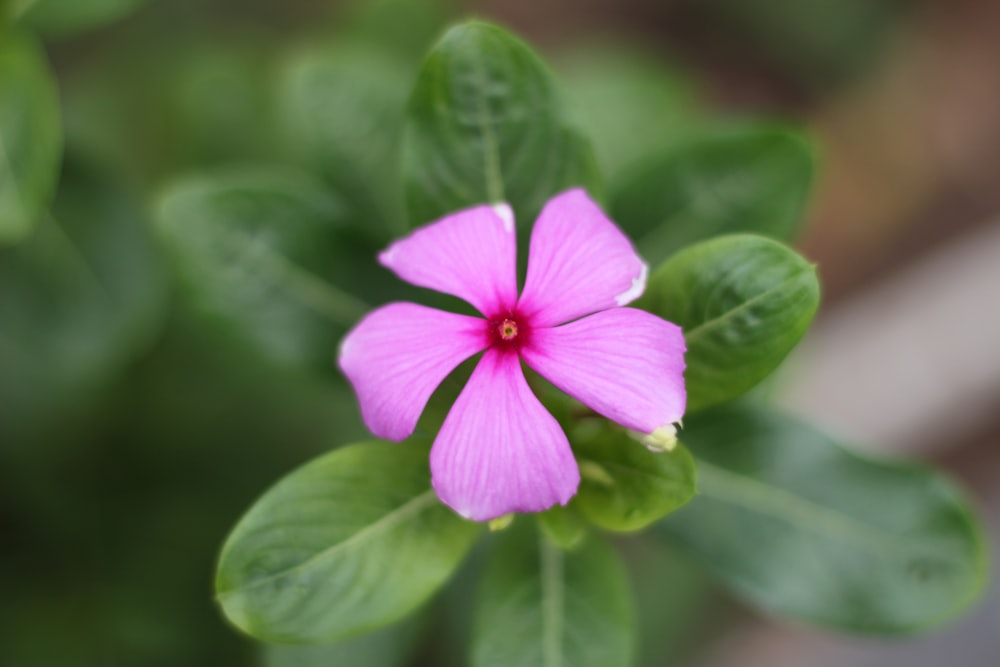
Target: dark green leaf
58, 17
743, 301
82, 295
387, 647
540, 606
350, 542
806, 529
342, 110
624, 486
30, 136
751, 178
563, 526
485, 125
258, 250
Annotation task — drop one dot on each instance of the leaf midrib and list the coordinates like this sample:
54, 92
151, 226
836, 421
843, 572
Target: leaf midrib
717, 321
390, 520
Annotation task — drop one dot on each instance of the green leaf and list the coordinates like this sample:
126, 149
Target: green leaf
563, 526
804, 528
348, 543
485, 124
30, 136
387, 647
83, 294
259, 250
630, 105
743, 302
624, 486
748, 178
61, 17
342, 111
541, 606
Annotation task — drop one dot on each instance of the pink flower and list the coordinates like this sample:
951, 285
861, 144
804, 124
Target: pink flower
499, 450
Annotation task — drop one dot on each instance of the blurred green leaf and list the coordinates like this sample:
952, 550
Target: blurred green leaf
630, 105
744, 303
746, 178
388, 647
30, 136
402, 26
215, 103
624, 486
342, 111
60, 17
260, 253
804, 528
82, 295
485, 124
563, 526
350, 542
540, 605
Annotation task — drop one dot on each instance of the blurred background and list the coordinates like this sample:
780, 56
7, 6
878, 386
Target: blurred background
134, 432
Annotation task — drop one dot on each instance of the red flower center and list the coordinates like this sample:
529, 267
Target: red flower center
508, 331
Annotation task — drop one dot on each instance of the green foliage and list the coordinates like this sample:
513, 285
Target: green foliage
806, 529
485, 124
388, 647
539, 605
61, 17
82, 294
342, 111
257, 250
624, 486
753, 178
348, 543
743, 302
30, 136
563, 526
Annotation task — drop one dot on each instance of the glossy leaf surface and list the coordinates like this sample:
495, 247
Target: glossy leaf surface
485, 124
743, 302
348, 543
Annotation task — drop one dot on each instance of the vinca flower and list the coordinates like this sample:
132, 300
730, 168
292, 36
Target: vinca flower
499, 450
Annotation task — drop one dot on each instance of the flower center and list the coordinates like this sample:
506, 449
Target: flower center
507, 330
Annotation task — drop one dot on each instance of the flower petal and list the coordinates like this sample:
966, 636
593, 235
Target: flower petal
625, 364
397, 356
471, 254
499, 450
579, 263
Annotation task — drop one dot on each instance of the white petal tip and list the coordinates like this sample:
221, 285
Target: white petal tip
506, 216
636, 289
663, 439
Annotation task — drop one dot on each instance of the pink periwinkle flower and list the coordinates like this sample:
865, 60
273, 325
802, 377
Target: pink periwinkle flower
499, 450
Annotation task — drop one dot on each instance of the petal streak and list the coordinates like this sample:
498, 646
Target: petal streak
397, 356
499, 450
579, 263
624, 363
471, 254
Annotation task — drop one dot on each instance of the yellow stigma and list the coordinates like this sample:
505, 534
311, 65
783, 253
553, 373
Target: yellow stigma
508, 329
